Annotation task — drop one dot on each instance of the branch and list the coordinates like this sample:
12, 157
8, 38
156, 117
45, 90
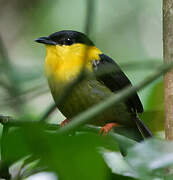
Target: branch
168, 57
5, 119
4, 170
54, 127
11, 122
89, 16
86, 116
48, 112
13, 89
14, 123
65, 94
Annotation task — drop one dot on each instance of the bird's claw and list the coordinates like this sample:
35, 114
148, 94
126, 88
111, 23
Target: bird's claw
105, 129
63, 123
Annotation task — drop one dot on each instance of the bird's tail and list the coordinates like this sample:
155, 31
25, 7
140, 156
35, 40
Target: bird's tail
138, 133
146, 133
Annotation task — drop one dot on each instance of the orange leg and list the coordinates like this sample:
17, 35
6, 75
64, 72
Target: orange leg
63, 123
105, 129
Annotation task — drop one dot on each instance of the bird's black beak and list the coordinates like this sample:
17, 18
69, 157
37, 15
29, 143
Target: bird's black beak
45, 40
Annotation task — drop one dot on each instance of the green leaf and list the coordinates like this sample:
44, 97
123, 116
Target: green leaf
156, 98
123, 137
71, 157
151, 157
118, 164
15, 147
120, 177
153, 117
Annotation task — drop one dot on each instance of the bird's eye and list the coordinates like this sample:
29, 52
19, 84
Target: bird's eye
68, 41
65, 41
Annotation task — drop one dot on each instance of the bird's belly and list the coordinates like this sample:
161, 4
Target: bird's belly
87, 94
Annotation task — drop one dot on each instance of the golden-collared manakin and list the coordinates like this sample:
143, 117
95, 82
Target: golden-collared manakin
67, 53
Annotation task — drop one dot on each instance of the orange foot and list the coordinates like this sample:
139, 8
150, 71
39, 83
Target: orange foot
63, 123
105, 129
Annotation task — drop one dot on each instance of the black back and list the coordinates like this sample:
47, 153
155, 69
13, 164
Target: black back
116, 80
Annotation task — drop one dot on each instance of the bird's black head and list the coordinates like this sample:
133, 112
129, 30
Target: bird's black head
65, 37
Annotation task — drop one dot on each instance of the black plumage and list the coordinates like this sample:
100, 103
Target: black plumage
116, 80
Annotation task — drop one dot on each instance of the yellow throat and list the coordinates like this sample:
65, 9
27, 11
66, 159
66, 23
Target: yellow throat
63, 63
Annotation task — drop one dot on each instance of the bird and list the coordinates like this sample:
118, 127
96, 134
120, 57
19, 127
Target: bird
69, 52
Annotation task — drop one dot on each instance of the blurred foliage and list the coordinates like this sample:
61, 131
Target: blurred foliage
156, 98
71, 157
129, 32
78, 156
154, 115
58, 155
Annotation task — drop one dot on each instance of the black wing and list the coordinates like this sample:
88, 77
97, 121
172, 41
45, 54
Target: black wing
116, 80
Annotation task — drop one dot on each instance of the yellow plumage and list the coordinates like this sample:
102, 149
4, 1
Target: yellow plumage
63, 63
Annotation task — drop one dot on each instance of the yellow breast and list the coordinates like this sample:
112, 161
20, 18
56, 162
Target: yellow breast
64, 63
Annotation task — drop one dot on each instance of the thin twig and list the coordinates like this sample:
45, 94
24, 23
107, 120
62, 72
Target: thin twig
89, 16
4, 53
38, 90
46, 114
5, 119
64, 96
4, 170
14, 89
86, 116
53, 127
28, 97
11, 122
